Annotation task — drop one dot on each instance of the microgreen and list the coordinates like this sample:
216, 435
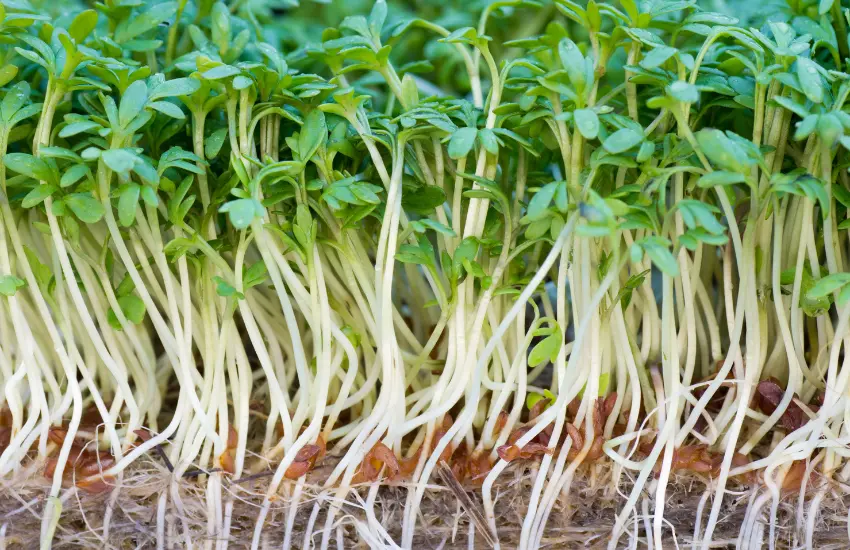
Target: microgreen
251, 230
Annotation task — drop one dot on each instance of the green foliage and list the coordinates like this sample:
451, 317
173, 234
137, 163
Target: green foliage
252, 162
9, 285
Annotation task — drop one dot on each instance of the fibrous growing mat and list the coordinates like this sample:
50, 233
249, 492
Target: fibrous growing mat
449, 274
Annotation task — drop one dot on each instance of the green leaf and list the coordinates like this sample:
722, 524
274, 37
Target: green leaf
377, 18
73, 174
698, 214
366, 193
466, 35
220, 26
45, 52
461, 142
633, 283
421, 254
133, 309
841, 194
827, 285
34, 58
465, 252
423, 200
830, 129
356, 23
225, 289
473, 269
58, 153
647, 149
798, 182
721, 177
806, 126
537, 229
314, 134
540, 202
274, 56
7, 73
242, 212
126, 286
409, 254
168, 109
28, 165
91, 153
38, 194
82, 25
222, 71
87, 208
42, 273
409, 90
132, 102
843, 296
437, 226
9, 285
15, 98
127, 204
23, 114
622, 140
557, 225
657, 248
489, 141
573, 62
58, 209
131, 27
810, 79
254, 275
534, 398
587, 123
175, 88
120, 160
242, 82
683, 91
795, 108
77, 128
723, 152
213, 143
546, 350
658, 56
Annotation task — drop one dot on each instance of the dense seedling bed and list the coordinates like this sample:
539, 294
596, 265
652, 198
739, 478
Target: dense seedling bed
514, 274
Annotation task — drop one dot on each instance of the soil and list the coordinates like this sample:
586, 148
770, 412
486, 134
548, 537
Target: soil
582, 519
